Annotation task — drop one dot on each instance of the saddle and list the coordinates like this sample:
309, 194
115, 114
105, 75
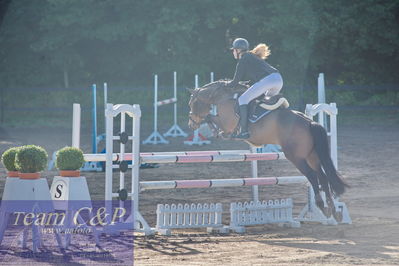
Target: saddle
263, 105
272, 103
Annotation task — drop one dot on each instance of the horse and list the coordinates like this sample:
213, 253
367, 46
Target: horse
303, 141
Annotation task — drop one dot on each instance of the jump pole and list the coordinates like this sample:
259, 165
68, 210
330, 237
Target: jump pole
155, 137
92, 166
94, 118
76, 125
254, 173
214, 108
175, 130
214, 183
193, 158
321, 98
105, 106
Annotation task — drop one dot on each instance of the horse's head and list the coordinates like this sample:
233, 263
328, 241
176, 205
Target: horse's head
202, 99
199, 108
200, 103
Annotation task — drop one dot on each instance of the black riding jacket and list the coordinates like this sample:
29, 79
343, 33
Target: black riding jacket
252, 68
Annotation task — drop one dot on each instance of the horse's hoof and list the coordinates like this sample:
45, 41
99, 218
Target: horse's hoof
327, 212
338, 216
320, 205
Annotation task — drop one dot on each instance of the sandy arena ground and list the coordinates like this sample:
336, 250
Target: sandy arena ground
368, 159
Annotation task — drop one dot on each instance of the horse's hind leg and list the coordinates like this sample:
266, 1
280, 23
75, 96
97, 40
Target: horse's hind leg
311, 175
330, 209
329, 198
314, 163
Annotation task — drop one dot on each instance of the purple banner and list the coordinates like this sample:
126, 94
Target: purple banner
66, 232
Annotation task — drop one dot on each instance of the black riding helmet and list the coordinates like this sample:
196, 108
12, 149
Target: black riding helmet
240, 43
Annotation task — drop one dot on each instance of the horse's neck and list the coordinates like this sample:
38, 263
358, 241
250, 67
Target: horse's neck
216, 92
227, 120
219, 96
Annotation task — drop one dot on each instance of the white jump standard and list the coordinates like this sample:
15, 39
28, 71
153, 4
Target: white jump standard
134, 112
175, 130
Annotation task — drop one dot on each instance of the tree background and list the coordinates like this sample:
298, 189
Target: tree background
73, 43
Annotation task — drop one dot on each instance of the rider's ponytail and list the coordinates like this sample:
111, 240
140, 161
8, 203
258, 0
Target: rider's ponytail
261, 50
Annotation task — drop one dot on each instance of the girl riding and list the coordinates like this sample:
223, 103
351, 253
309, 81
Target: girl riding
263, 78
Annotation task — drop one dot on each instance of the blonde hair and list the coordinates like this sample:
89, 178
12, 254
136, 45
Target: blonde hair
261, 50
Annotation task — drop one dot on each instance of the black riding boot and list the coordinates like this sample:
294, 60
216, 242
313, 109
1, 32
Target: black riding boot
244, 134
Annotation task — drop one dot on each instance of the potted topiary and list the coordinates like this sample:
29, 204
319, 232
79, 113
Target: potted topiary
69, 161
30, 160
8, 159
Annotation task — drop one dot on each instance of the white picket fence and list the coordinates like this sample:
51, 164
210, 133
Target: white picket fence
265, 212
189, 216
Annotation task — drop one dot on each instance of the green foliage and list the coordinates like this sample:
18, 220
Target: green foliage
31, 159
44, 43
69, 158
124, 42
345, 98
8, 158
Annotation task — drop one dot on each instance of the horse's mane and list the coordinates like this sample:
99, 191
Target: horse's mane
221, 86
218, 89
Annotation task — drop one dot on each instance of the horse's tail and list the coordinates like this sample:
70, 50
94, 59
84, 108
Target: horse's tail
323, 151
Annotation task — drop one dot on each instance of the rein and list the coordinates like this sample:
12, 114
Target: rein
212, 97
212, 125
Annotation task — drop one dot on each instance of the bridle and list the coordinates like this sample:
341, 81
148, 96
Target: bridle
195, 122
201, 119
207, 119
214, 122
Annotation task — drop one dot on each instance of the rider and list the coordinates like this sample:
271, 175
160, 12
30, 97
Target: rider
264, 78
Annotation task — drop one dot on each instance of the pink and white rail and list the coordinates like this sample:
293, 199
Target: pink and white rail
191, 158
214, 183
